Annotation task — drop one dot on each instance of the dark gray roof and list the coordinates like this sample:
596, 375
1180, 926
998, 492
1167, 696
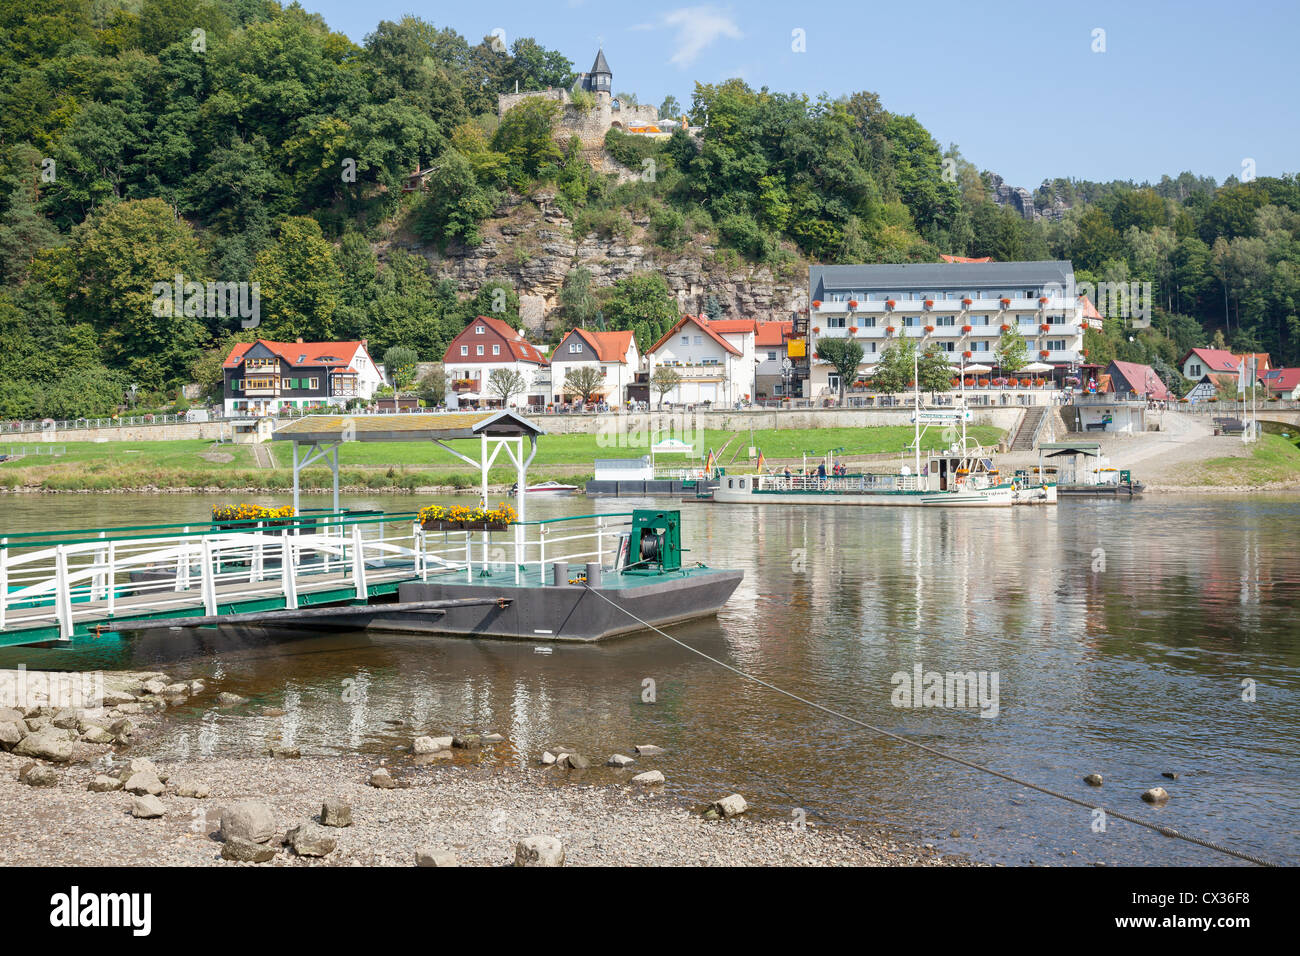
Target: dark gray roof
927, 276
600, 66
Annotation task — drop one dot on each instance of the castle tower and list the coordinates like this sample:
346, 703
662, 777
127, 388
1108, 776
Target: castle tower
600, 79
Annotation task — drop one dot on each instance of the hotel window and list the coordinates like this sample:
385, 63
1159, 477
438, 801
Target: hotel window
948, 346
479, 349
464, 350
945, 320
869, 346
835, 322
1056, 345
909, 321
868, 323
1026, 320
979, 346
496, 350
978, 320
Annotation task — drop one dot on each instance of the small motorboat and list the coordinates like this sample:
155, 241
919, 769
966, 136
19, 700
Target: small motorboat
545, 488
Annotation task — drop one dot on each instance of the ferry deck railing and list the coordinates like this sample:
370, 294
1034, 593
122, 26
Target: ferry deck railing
81, 577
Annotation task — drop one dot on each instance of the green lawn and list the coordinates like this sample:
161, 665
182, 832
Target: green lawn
407, 465
1273, 459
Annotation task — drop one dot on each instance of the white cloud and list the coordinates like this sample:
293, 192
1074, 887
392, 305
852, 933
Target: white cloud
696, 28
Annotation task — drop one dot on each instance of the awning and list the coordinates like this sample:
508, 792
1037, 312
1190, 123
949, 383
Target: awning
1055, 449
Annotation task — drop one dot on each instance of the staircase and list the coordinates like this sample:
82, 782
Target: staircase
1028, 432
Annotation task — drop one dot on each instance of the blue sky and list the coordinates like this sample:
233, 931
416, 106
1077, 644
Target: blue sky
1018, 86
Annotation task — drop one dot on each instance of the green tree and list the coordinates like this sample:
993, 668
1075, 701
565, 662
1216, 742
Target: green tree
505, 383
400, 365
578, 303
643, 297
300, 283
526, 138
1011, 353
664, 380
845, 355
584, 381
456, 203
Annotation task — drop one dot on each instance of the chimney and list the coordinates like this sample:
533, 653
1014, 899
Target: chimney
299, 340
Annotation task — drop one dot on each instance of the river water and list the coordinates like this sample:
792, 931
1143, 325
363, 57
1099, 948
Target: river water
1123, 637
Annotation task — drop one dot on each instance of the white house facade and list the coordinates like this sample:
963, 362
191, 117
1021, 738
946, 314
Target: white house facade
614, 354
715, 360
482, 347
961, 307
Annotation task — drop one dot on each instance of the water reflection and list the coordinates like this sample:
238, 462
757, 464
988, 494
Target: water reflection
1121, 633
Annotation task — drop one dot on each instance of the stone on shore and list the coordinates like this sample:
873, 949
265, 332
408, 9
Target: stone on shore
97, 735
176, 690
246, 851
38, 775
197, 687
467, 742
142, 782
191, 789
45, 745
1171, 775
147, 807
66, 718
429, 745
382, 779
539, 851
1093, 780
154, 686
548, 758
227, 699
247, 820
648, 750
575, 761
649, 778
732, 806
433, 857
311, 839
335, 813
618, 760
9, 715
1156, 795
116, 698
103, 783
493, 738
11, 731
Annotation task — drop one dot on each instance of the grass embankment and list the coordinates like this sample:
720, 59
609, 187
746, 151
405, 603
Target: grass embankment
405, 466
1274, 460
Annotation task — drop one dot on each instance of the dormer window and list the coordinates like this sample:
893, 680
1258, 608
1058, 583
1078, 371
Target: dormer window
478, 330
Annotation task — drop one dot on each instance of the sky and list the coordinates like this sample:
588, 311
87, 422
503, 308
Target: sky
1030, 91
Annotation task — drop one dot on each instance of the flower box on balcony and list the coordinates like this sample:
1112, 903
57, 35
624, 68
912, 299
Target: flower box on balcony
889, 330
1005, 302
966, 302
890, 303
966, 328
1042, 300
1006, 328
929, 303
853, 330
853, 303
816, 330
929, 328
817, 303
1044, 353
1044, 328
967, 354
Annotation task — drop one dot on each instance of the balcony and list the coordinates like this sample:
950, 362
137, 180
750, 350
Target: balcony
465, 385
877, 307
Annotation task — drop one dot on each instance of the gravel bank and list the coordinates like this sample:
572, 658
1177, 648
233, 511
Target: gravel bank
479, 814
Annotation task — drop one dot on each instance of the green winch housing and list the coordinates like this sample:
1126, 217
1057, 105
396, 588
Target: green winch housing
656, 541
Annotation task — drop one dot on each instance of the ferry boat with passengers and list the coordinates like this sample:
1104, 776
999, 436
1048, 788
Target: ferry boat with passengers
964, 475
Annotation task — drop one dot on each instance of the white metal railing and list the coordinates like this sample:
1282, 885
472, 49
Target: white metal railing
48, 583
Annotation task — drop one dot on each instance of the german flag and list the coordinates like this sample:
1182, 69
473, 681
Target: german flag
762, 462
710, 463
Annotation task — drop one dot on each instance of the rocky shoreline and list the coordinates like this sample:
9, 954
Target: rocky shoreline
74, 791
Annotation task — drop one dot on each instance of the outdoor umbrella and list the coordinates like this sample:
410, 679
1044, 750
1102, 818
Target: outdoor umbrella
1033, 367
978, 369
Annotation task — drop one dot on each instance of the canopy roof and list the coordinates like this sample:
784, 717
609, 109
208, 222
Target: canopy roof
414, 427
1054, 449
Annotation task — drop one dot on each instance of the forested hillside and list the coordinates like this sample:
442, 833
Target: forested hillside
242, 141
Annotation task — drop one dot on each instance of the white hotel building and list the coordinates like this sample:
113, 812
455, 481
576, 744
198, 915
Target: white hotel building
961, 307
